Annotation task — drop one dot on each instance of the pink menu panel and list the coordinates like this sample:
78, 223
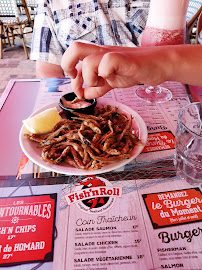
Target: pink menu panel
20, 99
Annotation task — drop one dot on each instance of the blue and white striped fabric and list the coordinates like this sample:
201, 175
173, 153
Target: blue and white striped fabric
60, 22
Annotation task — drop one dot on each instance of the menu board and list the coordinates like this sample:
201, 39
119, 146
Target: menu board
27, 225
129, 224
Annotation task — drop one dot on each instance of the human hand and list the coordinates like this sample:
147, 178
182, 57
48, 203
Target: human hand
106, 67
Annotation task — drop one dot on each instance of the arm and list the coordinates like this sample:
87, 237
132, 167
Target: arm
187, 64
46, 49
48, 70
124, 67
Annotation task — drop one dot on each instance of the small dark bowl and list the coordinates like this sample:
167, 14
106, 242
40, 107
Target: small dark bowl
68, 111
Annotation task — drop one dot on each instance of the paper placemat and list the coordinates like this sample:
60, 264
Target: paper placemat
161, 121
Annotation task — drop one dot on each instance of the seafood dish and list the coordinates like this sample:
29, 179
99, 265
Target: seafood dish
89, 142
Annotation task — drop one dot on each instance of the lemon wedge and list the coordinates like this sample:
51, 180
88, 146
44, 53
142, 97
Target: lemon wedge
42, 122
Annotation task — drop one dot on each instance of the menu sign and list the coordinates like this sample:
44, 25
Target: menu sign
174, 207
99, 227
110, 225
27, 228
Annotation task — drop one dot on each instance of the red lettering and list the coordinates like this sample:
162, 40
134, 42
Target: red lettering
71, 197
103, 191
77, 197
86, 193
109, 192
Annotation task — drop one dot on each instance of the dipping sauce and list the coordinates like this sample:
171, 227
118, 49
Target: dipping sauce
76, 105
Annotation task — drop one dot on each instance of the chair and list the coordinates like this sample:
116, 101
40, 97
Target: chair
25, 8
199, 27
32, 4
193, 12
12, 24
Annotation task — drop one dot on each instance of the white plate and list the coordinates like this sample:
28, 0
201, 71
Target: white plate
34, 154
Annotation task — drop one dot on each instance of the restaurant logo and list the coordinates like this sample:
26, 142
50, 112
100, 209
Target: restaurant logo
94, 195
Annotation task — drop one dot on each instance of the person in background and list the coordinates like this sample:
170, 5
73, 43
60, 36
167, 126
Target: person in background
103, 68
105, 22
